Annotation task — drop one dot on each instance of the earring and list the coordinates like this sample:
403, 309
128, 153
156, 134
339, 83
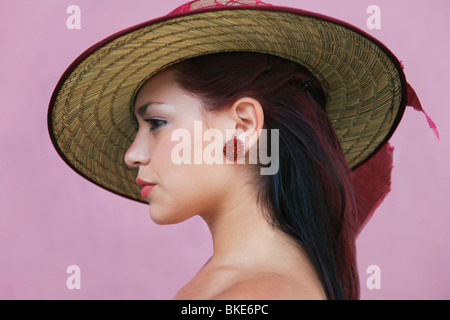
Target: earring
234, 149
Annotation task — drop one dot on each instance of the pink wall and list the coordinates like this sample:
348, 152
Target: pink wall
51, 218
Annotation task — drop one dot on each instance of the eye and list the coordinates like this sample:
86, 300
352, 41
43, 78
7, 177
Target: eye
155, 123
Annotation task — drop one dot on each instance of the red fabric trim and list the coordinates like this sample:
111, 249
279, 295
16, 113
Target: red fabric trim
413, 101
372, 182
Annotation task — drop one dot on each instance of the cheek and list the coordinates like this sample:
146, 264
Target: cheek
187, 189
191, 178
192, 189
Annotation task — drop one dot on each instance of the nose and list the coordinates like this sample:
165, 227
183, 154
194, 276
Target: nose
138, 153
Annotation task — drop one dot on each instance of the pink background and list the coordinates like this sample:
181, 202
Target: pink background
51, 218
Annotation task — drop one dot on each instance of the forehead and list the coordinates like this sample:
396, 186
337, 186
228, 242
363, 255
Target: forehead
158, 88
161, 91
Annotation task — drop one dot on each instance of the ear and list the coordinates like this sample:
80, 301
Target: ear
248, 117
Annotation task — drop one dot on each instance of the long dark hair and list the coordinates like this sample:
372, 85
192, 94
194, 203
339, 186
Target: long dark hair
310, 197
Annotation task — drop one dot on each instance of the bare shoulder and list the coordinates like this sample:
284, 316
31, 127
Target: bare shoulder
270, 286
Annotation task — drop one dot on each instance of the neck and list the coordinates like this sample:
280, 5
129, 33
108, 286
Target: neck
243, 237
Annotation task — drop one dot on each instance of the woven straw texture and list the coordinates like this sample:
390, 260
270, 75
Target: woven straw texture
91, 119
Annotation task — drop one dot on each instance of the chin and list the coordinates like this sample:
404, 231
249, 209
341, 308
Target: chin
163, 217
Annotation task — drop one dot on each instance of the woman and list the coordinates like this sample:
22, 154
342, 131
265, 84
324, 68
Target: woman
328, 95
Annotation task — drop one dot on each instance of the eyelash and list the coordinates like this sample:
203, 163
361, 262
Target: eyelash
156, 123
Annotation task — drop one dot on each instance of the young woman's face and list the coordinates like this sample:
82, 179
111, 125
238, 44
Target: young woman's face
181, 190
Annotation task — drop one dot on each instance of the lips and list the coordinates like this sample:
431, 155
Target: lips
146, 190
147, 187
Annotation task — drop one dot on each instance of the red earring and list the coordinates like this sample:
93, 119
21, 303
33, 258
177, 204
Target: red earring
234, 149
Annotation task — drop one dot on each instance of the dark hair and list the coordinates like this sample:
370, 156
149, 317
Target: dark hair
311, 197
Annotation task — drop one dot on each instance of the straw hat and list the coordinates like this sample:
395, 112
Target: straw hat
90, 116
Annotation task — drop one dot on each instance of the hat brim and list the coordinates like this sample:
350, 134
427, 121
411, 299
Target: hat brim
90, 117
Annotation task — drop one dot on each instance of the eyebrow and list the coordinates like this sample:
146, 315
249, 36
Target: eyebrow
142, 109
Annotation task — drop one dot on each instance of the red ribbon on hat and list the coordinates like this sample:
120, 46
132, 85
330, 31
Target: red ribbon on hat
372, 180
413, 101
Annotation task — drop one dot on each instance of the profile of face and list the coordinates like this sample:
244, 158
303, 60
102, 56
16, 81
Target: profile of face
181, 190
